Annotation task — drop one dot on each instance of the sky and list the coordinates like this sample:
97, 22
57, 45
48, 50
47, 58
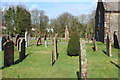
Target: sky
54, 9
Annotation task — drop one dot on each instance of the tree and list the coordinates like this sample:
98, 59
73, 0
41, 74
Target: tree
22, 20
9, 18
73, 44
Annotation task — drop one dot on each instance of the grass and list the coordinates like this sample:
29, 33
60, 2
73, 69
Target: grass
37, 63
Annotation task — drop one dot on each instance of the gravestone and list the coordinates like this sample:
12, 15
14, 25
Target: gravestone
26, 38
108, 46
45, 39
17, 37
3, 41
66, 33
18, 44
116, 42
8, 53
0, 43
83, 60
22, 49
51, 61
55, 48
95, 45
39, 39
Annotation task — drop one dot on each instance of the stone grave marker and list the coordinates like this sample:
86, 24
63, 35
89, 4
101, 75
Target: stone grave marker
0, 43
95, 45
22, 49
8, 53
17, 37
55, 48
66, 33
3, 41
26, 38
108, 46
18, 44
83, 61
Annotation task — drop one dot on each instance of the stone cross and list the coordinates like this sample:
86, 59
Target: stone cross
83, 61
22, 49
108, 46
26, 38
95, 45
8, 53
66, 33
0, 43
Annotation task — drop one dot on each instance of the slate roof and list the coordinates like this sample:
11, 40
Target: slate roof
111, 6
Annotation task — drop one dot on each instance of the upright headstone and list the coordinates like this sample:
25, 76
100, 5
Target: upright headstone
3, 41
39, 39
108, 46
22, 49
83, 60
45, 39
26, 38
0, 43
8, 53
95, 44
17, 37
18, 43
66, 33
55, 48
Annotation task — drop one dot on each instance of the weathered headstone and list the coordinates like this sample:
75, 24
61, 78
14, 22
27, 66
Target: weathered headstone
45, 39
0, 43
18, 43
108, 46
26, 38
3, 41
83, 61
8, 53
17, 37
55, 48
39, 39
66, 33
22, 49
95, 44
51, 58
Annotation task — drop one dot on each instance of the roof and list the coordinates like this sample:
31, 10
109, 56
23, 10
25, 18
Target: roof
111, 6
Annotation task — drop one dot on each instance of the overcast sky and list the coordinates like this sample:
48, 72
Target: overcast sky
53, 9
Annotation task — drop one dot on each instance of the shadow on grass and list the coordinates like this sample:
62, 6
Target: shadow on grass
78, 75
16, 62
115, 64
104, 52
93, 48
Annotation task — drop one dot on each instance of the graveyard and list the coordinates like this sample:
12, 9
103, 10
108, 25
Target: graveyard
37, 64
61, 40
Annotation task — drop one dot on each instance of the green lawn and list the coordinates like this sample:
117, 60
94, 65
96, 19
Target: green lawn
37, 63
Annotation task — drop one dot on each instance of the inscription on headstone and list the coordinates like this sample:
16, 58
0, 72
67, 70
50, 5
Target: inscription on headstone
83, 61
8, 53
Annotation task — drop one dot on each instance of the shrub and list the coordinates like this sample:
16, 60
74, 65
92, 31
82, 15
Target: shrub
73, 45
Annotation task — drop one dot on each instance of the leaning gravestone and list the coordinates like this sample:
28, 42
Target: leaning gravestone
0, 43
83, 60
8, 53
22, 49
108, 46
17, 37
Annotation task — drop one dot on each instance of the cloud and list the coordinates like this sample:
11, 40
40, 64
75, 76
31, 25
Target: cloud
34, 6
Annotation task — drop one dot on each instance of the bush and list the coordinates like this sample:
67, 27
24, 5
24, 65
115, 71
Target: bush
73, 45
